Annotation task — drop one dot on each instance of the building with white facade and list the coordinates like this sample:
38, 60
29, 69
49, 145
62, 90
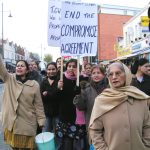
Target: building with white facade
136, 36
11, 54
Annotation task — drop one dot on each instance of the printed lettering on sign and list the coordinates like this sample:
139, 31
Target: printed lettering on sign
54, 21
78, 29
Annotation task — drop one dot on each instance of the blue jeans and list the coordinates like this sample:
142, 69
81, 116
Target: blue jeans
50, 124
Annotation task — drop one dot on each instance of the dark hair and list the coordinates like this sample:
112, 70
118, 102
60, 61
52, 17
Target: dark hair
26, 63
102, 69
58, 59
51, 63
137, 63
36, 62
70, 61
87, 65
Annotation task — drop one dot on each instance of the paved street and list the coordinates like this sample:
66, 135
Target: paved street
3, 146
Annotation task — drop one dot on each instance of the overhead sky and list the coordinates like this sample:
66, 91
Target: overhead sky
28, 26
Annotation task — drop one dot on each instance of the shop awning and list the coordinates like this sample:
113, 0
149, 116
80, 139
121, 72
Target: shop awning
146, 50
131, 55
119, 58
141, 51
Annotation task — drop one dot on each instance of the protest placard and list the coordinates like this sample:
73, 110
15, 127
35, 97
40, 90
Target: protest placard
78, 29
54, 21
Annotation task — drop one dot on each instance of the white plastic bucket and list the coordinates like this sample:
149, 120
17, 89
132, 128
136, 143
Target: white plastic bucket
45, 141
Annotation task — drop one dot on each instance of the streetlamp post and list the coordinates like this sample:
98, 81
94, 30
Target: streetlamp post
2, 34
2, 52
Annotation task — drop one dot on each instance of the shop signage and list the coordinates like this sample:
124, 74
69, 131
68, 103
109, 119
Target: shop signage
139, 45
136, 46
145, 29
144, 21
124, 51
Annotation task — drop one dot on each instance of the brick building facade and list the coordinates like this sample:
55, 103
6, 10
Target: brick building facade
110, 28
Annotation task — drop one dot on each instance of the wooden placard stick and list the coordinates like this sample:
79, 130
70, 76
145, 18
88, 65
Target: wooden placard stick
61, 69
78, 70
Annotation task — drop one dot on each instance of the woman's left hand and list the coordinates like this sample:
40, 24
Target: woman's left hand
44, 93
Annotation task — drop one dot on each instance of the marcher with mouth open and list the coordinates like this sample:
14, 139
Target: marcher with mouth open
22, 108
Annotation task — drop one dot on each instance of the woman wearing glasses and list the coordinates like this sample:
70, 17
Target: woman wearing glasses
120, 117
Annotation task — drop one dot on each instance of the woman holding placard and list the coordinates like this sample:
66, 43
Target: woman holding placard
66, 129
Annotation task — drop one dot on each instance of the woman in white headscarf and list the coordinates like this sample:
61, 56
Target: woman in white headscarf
120, 117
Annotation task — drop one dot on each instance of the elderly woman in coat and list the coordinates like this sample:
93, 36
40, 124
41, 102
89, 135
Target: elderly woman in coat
120, 117
22, 107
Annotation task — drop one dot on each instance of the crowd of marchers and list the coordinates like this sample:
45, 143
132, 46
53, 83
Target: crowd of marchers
108, 110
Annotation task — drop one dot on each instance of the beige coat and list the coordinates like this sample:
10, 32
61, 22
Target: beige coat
22, 106
126, 127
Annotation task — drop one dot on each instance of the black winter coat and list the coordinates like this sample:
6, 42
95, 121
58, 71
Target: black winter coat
144, 85
67, 110
50, 101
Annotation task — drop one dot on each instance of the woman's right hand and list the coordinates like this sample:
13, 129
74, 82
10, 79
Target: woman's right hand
60, 84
